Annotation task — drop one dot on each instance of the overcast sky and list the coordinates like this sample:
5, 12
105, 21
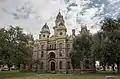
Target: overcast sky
32, 14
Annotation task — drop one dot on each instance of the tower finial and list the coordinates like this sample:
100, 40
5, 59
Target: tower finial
59, 9
59, 18
45, 23
59, 12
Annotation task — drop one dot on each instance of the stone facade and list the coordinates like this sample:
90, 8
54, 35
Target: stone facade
52, 52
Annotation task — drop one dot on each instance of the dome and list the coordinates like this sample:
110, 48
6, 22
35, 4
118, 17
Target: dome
45, 29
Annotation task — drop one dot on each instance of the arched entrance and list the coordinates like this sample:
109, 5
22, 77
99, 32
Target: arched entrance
51, 61
52, 66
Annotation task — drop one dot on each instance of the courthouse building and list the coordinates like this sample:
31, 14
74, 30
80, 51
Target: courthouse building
52, 52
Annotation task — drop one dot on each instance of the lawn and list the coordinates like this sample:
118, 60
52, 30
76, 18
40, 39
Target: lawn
18, 75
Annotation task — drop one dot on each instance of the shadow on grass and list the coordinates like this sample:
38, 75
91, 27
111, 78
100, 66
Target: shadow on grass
100, 73
12, 74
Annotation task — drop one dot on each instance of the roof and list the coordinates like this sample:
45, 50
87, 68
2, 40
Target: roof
45, 26
45, 29
59, 15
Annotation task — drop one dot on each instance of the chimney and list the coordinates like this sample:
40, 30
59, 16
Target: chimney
73, 32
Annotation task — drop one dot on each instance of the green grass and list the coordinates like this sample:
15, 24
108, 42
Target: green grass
23, 75
6, 74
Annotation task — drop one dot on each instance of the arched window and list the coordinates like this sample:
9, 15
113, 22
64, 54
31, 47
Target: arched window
68, 64
42, 65
52, 66
42, 54
52, 55
60, 65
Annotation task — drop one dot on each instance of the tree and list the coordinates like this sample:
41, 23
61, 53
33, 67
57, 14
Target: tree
111, 28
81, 49
15, 46
3, 45
98, 48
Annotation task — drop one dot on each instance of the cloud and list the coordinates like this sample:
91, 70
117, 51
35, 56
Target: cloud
113, 2
89, 12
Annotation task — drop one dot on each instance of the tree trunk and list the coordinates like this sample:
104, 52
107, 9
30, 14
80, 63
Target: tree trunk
104, 68
94, 67
9, 66
113, 67
18, 66
30, 67
118, 67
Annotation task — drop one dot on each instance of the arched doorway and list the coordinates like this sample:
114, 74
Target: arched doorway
52, 66
51, 61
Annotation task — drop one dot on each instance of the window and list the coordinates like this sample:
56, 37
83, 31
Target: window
60, 52
43, 35
61, 33
42, 66
34, 55
50, 47
52, 55
42, 54
68, 64
60, 45
42, 46
60, 65
54, 46
68, 45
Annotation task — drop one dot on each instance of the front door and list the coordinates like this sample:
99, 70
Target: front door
52, 66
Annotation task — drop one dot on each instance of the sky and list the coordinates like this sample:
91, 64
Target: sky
31, 15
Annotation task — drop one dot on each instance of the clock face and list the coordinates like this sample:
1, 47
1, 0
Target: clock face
61, 33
